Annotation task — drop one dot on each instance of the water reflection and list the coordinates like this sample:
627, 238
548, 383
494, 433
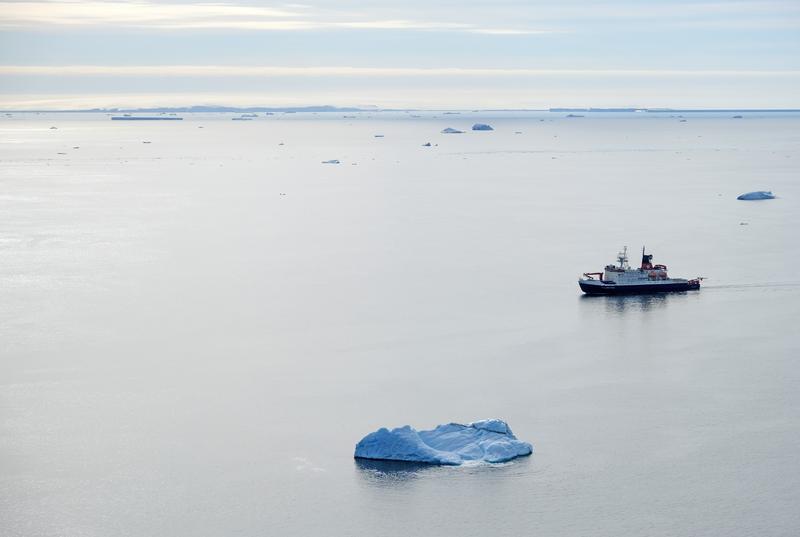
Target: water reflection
387, 473
632, 303
392, 473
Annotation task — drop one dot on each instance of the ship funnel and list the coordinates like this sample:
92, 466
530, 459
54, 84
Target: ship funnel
646, 260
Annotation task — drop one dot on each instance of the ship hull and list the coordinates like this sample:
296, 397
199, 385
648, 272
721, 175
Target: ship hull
633, 289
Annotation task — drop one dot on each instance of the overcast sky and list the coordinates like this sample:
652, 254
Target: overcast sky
411, 53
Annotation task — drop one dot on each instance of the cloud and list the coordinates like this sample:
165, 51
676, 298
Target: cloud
79, 13
202, 15
492, 18
349, 71
511, 31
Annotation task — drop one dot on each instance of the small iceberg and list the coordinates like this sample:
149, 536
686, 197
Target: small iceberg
757, 195
451, 444
332, 161
450, 130
482, 127
426, 144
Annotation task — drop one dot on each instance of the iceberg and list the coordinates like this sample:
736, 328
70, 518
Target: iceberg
757, 195
452, 444
451, 130
332, 161
482, 127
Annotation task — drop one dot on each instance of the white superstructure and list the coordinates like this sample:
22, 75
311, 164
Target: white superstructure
624, 274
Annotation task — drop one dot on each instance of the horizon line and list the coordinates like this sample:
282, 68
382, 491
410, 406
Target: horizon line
343, 70
334, 109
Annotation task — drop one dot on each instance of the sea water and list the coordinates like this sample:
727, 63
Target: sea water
199, 320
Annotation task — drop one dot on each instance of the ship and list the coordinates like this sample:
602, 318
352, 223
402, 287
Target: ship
621, 279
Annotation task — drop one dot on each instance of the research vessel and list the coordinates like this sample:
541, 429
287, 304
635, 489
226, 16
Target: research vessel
621, 279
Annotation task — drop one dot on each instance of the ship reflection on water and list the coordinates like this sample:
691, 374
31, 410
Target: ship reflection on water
633, 303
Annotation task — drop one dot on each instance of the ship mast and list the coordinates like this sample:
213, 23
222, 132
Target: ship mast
622, 257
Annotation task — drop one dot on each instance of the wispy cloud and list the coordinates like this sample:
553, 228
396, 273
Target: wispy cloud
490, 18
349, 71
203, 15
511, 31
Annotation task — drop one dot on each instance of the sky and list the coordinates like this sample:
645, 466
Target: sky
500, 54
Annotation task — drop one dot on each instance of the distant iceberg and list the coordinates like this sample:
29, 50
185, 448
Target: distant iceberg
452, 444
450, 130
482, 127
757, 195
332, 161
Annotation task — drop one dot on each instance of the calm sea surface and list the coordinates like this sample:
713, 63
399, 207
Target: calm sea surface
198, 324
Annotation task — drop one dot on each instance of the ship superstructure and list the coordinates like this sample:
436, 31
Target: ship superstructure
622, 279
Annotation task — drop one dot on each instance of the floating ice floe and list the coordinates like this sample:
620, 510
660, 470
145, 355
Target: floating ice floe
332, 161
482, 127
452, 444
757, 195
451, 130
426, 144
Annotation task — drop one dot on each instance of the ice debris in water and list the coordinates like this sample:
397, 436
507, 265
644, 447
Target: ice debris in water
482, 127
451, 130
757, 195
452, 444
332, 161
427, 144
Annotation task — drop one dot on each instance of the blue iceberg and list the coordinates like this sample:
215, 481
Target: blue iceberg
452, 444
757, 195
482, 127
451, 130
332, 161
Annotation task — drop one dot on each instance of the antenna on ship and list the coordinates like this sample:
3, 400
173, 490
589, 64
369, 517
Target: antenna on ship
622, 257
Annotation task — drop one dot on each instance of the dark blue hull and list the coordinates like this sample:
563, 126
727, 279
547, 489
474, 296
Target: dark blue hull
611, 289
